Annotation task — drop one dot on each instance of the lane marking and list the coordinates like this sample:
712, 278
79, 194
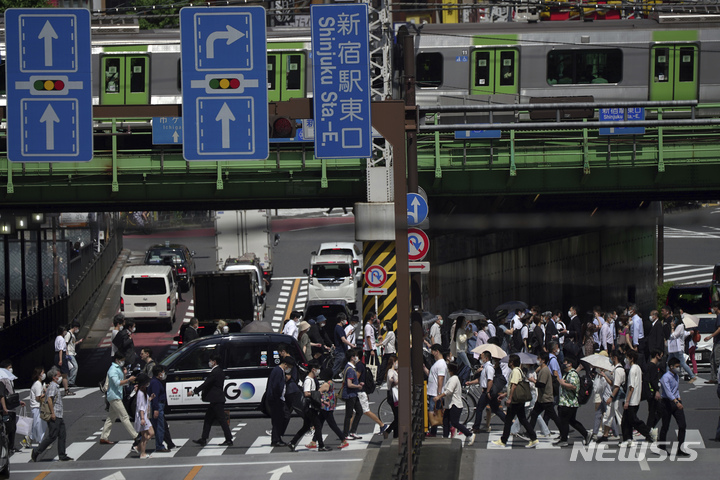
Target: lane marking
195, 470
291, 300
42, 475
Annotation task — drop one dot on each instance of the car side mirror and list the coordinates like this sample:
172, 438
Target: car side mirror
277, 240
192, 253
305, 271
313, 253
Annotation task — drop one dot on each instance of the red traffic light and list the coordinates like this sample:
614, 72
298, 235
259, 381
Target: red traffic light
48, 85
282, 127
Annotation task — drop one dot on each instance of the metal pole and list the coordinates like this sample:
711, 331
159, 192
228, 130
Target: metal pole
39, 269
56, 274
23, 277
661, 245
6, 254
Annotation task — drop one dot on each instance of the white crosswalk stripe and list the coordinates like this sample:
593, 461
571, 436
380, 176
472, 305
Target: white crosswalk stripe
671, 232
692, 435
687, 273
281, 307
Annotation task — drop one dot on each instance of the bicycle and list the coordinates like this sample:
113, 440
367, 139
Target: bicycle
385, 413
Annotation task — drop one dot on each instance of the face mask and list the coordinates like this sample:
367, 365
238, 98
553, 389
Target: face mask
120, 328
58, 381
675, 370
395, 366
10, 370
42, 377
486, 329
441, 322
288, 371
630, 322
133, 329
627, 363
316, 372
569, 313
121, 363
211, 364
225, 329
163, 376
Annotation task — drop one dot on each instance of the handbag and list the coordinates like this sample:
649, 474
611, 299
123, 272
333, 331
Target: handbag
12, 401
372, 365
522, 392
435, 418
45, 411
24, 423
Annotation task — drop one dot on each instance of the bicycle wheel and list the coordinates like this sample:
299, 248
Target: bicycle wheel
469, 406
384, 412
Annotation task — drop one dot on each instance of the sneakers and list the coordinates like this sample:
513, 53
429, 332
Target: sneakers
521, 436
532, 443
452, 432
384, 429
268, 433
311, 445
353, 436
561, 443
588, 438
325, 449
626, 443
471, 439
499, 443
291, 446
654, 435
343, 445
612, 438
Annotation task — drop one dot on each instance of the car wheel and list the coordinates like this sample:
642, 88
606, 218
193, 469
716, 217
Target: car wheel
5, 472
171, 323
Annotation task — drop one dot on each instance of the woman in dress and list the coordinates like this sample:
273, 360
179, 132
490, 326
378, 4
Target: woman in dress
142, 422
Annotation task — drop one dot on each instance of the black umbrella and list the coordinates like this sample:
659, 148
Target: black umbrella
512, 306
470, 315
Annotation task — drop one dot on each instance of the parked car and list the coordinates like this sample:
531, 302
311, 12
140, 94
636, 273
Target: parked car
344, 248
692, 298
177, 256
4, 453
246, 358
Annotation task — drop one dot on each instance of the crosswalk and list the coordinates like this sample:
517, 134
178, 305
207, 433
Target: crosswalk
710, 232
293, 296
546, 442
91, 449
681, 273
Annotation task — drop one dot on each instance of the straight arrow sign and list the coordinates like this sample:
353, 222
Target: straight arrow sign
175, 136
49, 117
225, 116
48, 34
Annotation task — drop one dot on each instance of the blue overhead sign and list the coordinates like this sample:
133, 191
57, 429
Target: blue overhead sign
224, 79
167, 131
619, 115
49, 85
341, 81
417, 209
463, 134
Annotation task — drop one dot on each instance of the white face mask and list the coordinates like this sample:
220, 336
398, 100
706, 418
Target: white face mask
395, 366
316, 372
59, 380
133, 329
121, 363
211, 364
569, 313
225, 329
163, 376
120, 327
288, 370
42, 377
10, 370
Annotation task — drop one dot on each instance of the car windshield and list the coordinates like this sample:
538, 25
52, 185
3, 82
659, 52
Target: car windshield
695, 300
336, 251
706, 325
144, 286
158, 256
331, 271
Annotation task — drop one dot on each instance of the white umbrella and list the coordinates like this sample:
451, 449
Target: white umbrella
690, 321
494, 350
5, 373
598, 361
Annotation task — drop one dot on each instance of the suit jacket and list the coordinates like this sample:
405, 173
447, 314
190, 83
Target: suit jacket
190, 334
550, 332
124, 343
575, 329
537, 341
276, 384
655, 338
212, 387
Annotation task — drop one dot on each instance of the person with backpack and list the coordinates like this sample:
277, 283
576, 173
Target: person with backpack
368, 382
676, 347
349, 393
569, 404
518, 395
492, 385
326, 414
452, 393
310, 416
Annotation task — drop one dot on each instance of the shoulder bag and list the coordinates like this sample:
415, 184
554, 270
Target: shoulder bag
522, 392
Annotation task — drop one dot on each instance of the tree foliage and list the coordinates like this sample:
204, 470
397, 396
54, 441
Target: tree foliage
159, 17
5, 4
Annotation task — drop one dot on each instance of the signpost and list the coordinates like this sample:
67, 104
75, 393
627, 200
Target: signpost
621, 114
375, 276
418, 244
419, 267
49, 85
417, 209
341, 81
224, 78
167, 131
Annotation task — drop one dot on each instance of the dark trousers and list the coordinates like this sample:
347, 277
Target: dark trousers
452, 419
517, 410
352, 405
630, 420
669, 409
567, 420
654, 413
278, 418
292, 403
325, 416
485, 400
216, 411
309, 420
548, 409
10, 422
166, 434
56, 431
382, 369
394, 425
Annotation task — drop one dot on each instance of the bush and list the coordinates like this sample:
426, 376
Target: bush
662, 291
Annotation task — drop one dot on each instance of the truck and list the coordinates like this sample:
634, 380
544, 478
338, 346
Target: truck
242, 232
233, 296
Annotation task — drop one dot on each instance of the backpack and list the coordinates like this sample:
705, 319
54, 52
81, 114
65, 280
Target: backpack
327, 399
499, 383
516, 343
370, 385
586, 389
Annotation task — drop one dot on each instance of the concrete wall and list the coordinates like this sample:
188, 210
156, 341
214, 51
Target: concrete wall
606, 267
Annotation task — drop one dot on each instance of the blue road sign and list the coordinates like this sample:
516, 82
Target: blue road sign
341, 81
417, 209
622, 114
49, 85
167, 131
224, 78
462, 134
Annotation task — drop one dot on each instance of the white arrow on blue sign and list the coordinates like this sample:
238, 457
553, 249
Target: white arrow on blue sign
167, 131
224, 78
417, 209
49, 84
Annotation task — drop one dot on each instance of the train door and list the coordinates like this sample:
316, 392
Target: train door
674, 72
125, 80
286, 76
494, 71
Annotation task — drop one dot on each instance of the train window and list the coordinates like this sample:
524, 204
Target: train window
584, 66
687, 64
662, 65
137, 75
112, 75
507, 68
429, 69
294, 72
482, 69
271, 69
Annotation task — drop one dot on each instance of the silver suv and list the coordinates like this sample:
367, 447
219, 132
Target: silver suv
331, 277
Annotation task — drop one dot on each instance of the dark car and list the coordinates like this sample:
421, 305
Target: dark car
692, 298
178, 256
4, 453
330, 310
246, 358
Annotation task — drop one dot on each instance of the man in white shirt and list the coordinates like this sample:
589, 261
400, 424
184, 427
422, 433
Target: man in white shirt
351, 329
606, 335
435, 331
436, 380
486, 379
599, 321
369, 338
291, 327
637, 331
630, 419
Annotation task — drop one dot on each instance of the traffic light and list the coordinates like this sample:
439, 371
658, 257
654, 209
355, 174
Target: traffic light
48, 85
282, 127
224, 83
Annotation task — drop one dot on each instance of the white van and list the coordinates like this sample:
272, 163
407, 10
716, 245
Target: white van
331, 277
149, 293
